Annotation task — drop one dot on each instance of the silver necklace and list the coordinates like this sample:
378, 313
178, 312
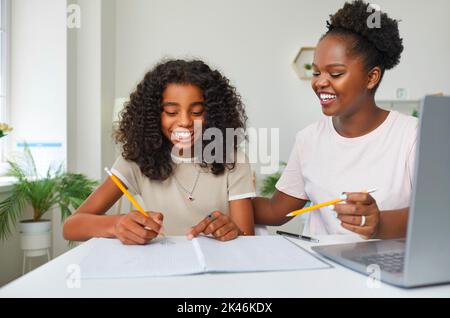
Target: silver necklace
190, 197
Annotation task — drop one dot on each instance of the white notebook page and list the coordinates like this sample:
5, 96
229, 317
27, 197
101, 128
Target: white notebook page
256, 253
109, 258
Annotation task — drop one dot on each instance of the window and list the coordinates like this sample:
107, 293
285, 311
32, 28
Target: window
4, 67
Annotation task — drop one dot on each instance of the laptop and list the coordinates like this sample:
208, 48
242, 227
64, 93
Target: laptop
423, 258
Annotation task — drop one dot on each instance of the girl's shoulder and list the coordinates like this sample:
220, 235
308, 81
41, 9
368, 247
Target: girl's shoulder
123, 163
241, 157
127, 168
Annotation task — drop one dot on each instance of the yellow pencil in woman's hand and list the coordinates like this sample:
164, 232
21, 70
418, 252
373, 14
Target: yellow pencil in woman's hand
321, 205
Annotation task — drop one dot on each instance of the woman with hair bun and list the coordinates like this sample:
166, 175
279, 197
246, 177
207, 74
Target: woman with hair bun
358, 145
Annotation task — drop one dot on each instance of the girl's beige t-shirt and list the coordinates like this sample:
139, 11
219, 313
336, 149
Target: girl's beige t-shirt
323, 164
171, 197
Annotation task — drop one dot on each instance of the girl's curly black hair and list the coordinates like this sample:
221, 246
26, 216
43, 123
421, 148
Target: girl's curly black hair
139, 131
380, 46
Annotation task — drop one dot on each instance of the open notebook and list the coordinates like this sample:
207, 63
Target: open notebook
108, 258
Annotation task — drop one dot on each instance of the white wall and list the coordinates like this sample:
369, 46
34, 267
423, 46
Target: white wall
254, 42
108, 73
85, 89
91, 82
424, 67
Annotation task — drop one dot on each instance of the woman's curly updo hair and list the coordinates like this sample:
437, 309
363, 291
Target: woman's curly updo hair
139, 131
379, 46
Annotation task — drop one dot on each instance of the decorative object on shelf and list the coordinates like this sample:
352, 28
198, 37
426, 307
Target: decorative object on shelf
4, 129
402, 93
56, 189
308, 70
302, 63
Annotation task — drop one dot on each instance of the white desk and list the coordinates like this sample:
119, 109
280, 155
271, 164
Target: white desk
49, 280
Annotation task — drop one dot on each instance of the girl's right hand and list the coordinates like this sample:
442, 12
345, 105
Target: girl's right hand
135, 229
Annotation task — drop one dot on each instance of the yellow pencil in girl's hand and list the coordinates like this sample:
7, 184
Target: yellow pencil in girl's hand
127, 194
130, 197
321, 205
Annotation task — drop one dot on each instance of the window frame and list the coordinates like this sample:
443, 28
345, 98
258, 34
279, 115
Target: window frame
5, 60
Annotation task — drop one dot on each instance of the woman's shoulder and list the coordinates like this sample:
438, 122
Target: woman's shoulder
405, 121
315, 129
405, 125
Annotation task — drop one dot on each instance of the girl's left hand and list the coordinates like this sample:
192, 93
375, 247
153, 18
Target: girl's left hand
359, 214
218, 224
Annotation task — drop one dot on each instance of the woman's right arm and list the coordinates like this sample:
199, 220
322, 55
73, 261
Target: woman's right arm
273, 211
89, 220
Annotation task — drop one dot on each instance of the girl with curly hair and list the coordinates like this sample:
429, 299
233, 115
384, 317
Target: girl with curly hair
358, 145
183, 193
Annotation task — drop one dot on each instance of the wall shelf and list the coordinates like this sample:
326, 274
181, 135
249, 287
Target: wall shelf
304, 56
406, 106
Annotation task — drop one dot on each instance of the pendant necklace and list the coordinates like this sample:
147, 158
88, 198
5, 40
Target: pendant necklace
189, 193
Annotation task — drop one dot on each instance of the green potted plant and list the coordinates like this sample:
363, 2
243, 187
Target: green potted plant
269, 182
308, 69
56, 189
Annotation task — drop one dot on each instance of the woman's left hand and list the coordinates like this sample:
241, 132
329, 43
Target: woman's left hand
218, 225
360, 214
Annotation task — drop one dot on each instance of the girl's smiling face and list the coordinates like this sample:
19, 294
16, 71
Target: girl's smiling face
182, 104
339, 80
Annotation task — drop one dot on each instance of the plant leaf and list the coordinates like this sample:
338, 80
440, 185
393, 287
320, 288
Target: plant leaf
10, 210
73, 189
269, 182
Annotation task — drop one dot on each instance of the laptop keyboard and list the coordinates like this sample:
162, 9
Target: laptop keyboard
389, 262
